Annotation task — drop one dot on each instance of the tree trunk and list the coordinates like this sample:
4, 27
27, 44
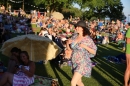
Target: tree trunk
23, 5
6, 5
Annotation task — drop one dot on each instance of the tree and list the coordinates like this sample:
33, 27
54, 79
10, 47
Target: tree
53, 5
115, 10
104, 8
88, 8
75, 12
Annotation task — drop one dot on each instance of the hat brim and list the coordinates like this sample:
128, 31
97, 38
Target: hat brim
75, 24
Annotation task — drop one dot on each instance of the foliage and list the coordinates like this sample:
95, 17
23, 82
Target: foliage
53, 5
105, 8
114, 11
88, 8
75, 12
93, 18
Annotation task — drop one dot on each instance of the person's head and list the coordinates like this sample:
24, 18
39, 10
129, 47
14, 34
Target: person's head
82, 28
50, 31
129, 25
44, 29
15, 51
24, 57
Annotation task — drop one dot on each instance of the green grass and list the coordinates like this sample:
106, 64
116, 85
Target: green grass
103, 74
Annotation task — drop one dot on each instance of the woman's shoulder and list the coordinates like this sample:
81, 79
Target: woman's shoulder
88, 38
31, 63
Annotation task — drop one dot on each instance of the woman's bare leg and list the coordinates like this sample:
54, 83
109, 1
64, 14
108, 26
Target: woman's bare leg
127, 72
76, 79
7, 84
6, 78
80, 83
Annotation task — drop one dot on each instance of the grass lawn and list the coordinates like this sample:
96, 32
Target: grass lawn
103, 74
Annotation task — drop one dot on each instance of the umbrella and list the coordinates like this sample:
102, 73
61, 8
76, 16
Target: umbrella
57, 15
38, 48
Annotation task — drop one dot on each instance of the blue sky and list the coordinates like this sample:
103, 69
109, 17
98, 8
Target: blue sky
126, 10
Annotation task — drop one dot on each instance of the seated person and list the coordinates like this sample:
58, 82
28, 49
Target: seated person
119, 38
122, 57
13, 60
33, 20
105, 40
43, 32
98, 37
24, 75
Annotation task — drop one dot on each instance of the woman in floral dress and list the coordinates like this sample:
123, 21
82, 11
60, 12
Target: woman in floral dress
83, 48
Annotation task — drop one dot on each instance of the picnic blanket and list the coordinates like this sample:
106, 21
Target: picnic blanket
44, 81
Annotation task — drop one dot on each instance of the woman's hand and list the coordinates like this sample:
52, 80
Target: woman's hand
23, 69
82, 45
90, 50
67, 54
69, 41
31, 70
128, 40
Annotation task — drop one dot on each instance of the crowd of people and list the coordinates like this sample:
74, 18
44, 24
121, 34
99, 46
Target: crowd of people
77, 38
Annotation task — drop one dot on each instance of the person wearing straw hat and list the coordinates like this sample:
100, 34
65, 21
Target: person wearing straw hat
83, 48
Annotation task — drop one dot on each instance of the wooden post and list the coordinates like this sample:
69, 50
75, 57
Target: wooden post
23, 5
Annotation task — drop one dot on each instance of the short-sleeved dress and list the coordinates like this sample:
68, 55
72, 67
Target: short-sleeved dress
80, 57
128, 45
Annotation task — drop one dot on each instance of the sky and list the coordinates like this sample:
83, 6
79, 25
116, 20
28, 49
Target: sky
126, 10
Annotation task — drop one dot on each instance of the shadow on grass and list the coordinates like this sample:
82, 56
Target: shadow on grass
41, 70
56, 67
97, 76
113, 71
104, 50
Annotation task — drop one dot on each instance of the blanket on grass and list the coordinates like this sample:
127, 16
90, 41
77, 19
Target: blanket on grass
44, 81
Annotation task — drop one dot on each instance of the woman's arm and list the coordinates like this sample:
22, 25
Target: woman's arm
90, 50
31, 71
40, 33
128, 40
67, 54
69, 41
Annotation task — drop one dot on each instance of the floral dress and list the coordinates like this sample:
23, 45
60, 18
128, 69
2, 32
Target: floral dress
80, 57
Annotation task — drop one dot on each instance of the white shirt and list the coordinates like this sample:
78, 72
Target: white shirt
49, 36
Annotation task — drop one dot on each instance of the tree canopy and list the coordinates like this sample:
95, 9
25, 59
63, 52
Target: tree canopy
87, 8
